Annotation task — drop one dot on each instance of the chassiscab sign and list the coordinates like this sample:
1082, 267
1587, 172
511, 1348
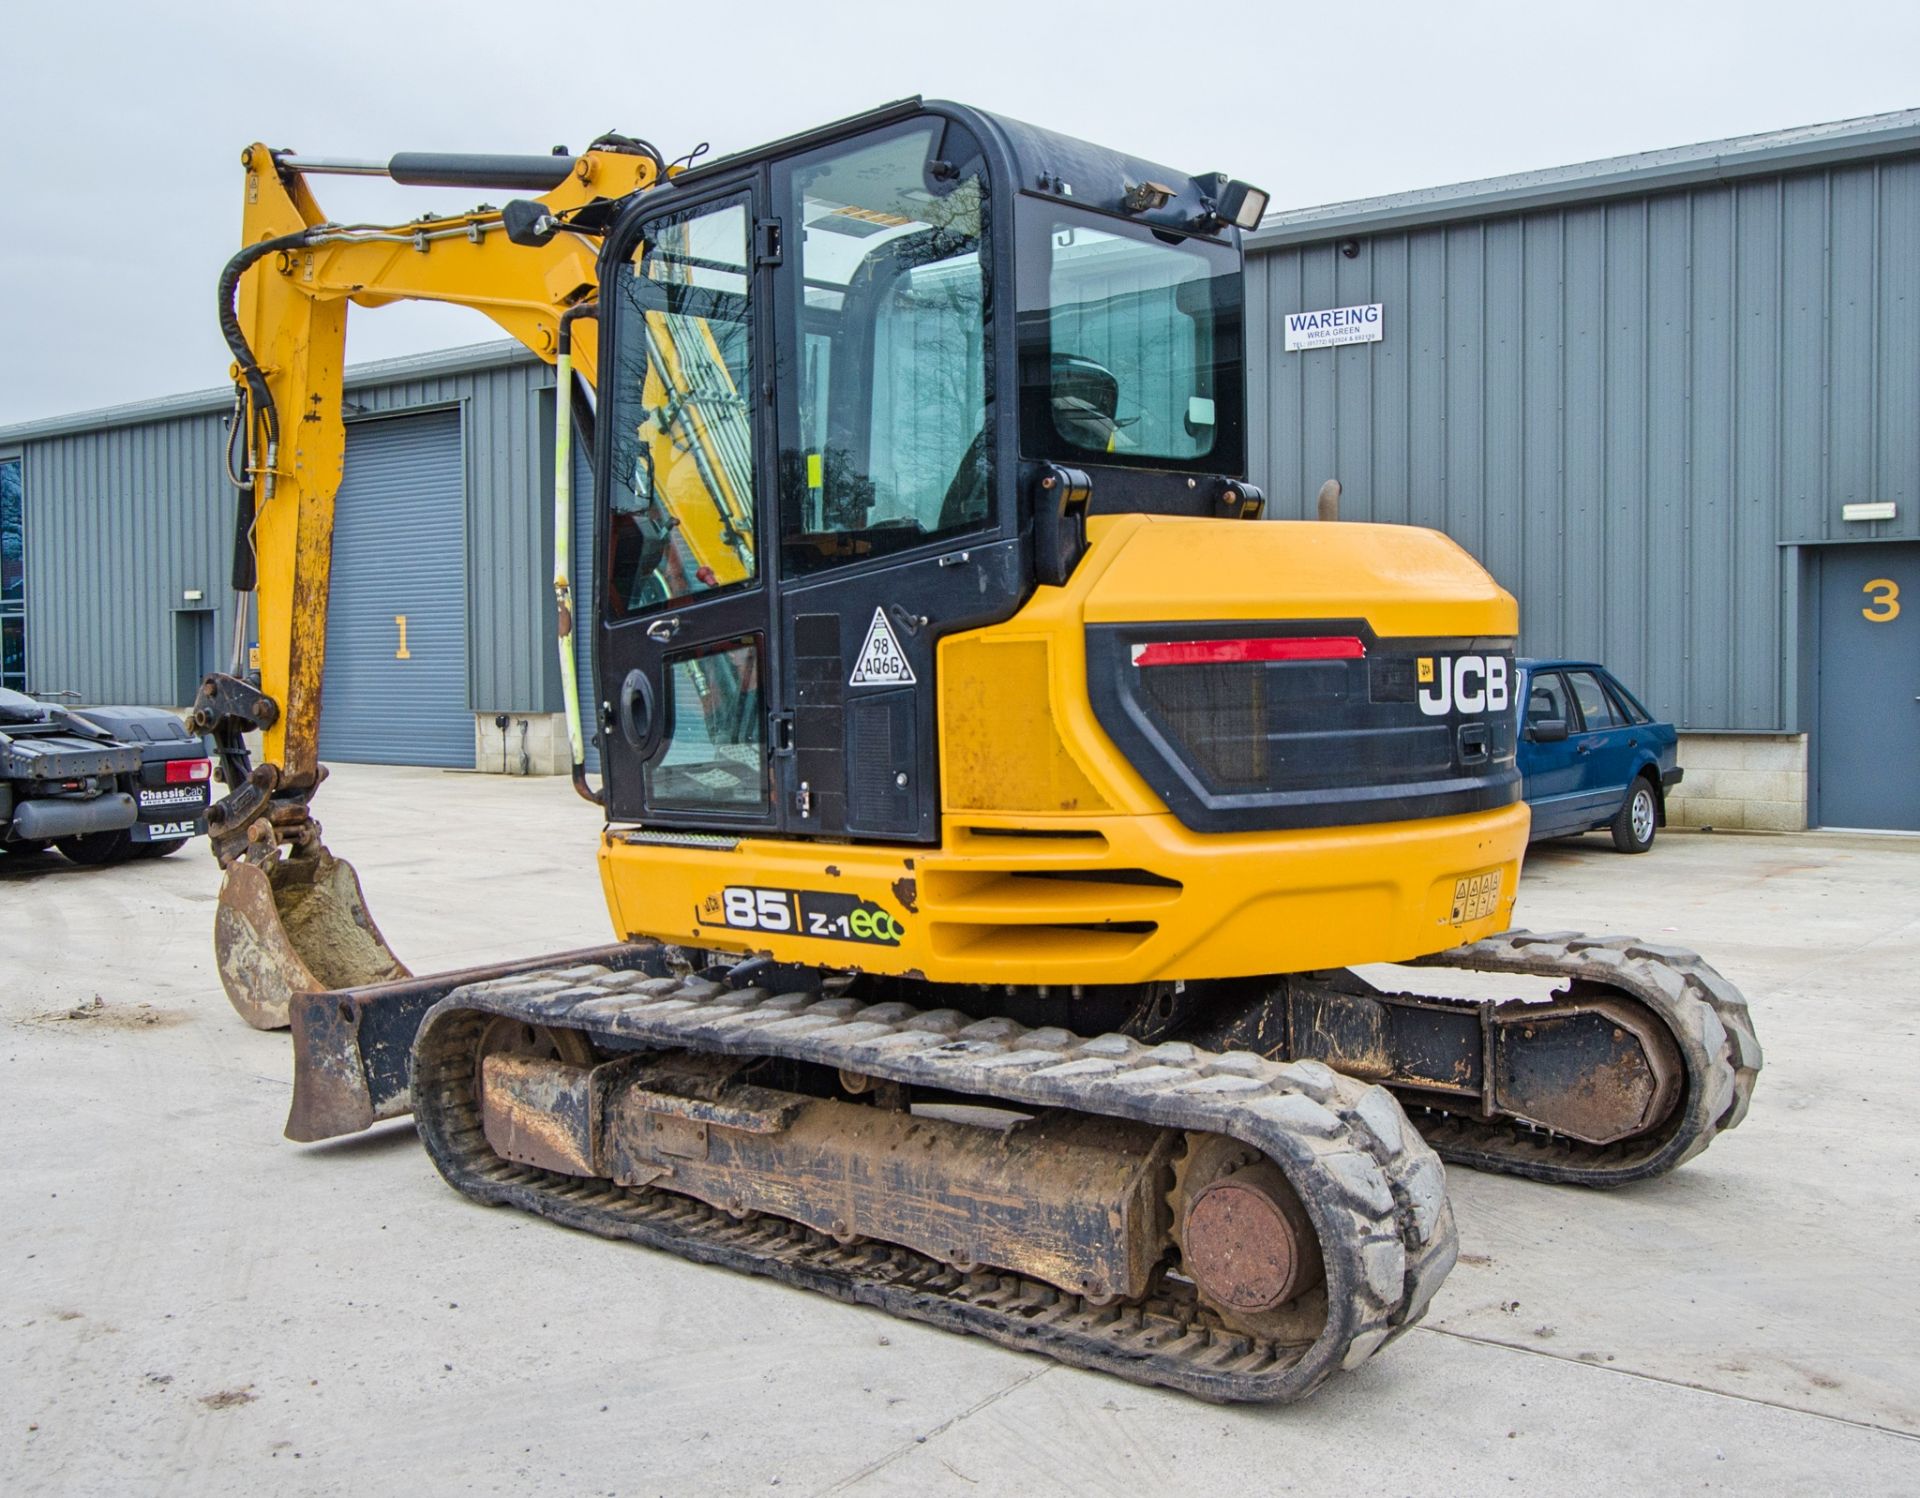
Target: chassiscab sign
1332, 326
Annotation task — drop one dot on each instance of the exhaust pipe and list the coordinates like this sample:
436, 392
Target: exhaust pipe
1329, 502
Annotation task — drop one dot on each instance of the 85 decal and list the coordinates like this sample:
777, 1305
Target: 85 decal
802, 912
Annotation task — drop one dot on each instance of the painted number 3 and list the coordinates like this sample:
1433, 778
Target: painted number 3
1886, 600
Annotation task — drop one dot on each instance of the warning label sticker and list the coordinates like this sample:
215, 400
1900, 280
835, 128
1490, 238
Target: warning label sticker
881, 662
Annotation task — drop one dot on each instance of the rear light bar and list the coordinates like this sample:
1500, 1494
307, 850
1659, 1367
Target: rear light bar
183, 771
1237, 652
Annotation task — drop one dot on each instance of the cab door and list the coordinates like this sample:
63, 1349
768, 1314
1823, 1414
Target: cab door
686, 651
894, 506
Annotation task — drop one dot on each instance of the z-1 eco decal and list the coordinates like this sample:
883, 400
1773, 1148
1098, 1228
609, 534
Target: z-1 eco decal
802, 912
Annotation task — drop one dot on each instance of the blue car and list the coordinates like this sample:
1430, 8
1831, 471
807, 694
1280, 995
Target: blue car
1591, 755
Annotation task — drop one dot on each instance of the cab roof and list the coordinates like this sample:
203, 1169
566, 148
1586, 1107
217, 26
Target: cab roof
1040, 162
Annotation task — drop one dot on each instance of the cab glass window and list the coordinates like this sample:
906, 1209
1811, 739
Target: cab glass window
680, 516
1595, 707
1130, 343
895, 446
715, 755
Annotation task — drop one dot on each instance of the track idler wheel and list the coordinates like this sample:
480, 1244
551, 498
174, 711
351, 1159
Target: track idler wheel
297, 925
1595, 1066
1246, 1241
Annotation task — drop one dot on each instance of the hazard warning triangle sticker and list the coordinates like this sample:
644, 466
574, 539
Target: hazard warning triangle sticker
881, 662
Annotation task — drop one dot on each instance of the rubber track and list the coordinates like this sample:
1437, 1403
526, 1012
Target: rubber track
1706, 1015
1375, 1192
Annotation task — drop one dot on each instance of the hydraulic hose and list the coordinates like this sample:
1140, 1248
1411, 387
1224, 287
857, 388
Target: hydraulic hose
245, 567
563, 544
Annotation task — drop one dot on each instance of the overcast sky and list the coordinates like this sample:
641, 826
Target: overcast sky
121, 123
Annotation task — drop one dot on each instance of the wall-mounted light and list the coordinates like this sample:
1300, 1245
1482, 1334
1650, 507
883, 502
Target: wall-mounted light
192, 595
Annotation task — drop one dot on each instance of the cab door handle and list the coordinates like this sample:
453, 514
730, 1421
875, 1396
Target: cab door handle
663, 630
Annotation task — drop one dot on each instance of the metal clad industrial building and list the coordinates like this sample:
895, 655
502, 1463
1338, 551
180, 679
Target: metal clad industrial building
121, 522
1641, 391
129, 530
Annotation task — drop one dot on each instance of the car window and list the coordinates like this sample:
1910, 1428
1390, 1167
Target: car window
1595, 706
1546, 699
1624, 707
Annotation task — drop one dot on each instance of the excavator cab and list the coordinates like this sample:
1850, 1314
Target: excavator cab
844, 376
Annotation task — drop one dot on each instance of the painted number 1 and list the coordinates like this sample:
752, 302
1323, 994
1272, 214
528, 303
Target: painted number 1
1886, 601
402, 653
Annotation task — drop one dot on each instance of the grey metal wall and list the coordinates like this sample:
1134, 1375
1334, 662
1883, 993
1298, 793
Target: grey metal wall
119, 524
1628, 410
128, 509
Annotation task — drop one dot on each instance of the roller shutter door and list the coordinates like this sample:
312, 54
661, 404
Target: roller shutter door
395, 691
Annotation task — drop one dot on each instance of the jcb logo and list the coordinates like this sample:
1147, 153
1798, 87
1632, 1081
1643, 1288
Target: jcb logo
1463, 683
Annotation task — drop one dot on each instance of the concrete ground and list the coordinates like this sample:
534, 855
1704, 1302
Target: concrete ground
190, 1304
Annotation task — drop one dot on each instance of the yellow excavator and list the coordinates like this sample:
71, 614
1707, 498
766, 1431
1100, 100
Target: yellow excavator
995, 804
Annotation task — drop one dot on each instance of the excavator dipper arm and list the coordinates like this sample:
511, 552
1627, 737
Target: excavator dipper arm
291, 916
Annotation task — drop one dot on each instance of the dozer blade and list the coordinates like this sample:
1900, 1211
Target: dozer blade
353, 1047
299, 925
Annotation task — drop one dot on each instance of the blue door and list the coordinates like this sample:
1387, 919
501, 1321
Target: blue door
1554, 769
395, 687
1867, 749
1601, 748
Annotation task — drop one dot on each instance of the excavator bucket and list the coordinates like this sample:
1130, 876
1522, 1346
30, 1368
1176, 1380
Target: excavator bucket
298, 925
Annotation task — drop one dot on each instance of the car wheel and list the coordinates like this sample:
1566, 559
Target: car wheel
159, 848
95, 848
1636, 822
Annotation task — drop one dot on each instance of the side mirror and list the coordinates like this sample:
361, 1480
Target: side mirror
1547, 730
